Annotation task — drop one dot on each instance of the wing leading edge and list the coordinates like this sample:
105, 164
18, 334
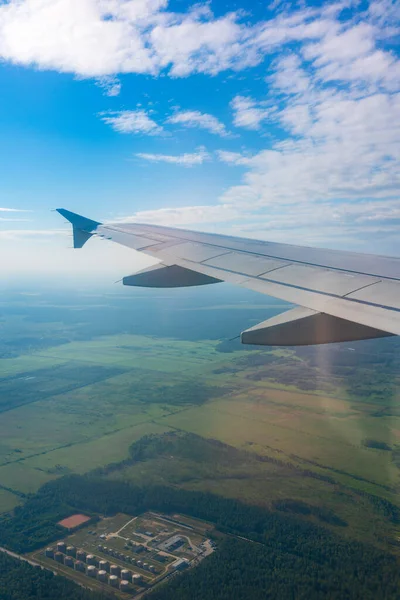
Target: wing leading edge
342, 296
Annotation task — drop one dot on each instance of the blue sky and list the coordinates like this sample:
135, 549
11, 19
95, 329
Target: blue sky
271, 120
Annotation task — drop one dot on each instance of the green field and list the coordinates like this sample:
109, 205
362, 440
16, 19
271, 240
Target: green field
80, 405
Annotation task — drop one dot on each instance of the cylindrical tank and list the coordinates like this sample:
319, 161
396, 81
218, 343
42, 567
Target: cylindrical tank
151, 568
79, 566
49, 553
113, 580
91, 571
59, 557
90, 559
145, 566
104, 565
125, 574
114, 570
136, 578
100, 547
61, 547
124, 585
102, 575
71, 550
81, 555
139, 563
68, 561
105, 550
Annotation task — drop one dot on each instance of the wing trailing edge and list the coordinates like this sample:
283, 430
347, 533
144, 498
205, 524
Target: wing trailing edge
303, 327
168, 276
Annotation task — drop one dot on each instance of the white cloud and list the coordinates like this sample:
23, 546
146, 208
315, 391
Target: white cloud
185, 215
95, 38
247, 114
186, 160
132, 121
110, 85
232, 158
2, 209
194, 118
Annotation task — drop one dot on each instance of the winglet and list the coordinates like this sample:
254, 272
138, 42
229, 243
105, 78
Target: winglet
82, 227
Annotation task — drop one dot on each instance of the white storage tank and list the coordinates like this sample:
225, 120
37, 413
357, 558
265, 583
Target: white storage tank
113, 580
61, 547
91, 571
126, 575
80, 566
90, 559
114, 570
71, 550
104, 565
124, 586
102, 575
81, 555
59, 557
68, 561
49, 553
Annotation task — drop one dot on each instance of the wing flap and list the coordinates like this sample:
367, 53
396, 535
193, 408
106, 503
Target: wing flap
168, 276
303, 327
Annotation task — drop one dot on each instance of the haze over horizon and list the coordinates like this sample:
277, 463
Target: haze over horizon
276, 121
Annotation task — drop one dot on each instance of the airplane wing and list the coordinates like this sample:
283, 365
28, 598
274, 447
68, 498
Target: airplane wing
341, 296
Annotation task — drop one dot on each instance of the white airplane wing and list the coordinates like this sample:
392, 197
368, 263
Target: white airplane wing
342, 296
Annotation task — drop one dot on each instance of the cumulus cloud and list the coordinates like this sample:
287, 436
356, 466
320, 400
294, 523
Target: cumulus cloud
95, 38
194, 118
186, 160
131, 121
247, 113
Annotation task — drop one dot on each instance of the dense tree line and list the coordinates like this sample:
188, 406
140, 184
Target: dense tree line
294, 548
243, 570
21, 581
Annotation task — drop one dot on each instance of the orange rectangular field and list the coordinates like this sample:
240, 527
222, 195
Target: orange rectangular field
73, 521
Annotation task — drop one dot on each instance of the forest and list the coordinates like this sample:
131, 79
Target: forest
21, 581
281, 555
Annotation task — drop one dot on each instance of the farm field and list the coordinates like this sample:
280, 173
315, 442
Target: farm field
78, 401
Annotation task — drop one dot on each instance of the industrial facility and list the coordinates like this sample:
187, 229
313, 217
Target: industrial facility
125, 554
95, 567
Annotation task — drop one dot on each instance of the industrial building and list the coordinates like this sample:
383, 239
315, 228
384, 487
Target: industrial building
180, 564
173, 543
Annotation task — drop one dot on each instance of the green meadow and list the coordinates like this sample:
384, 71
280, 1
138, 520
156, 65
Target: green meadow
301, 425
